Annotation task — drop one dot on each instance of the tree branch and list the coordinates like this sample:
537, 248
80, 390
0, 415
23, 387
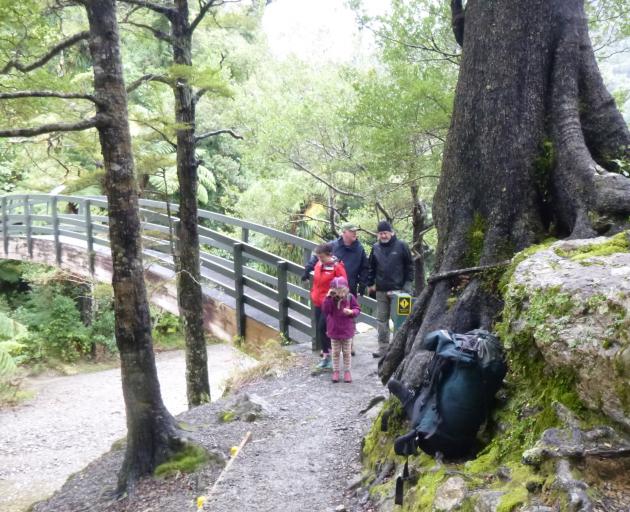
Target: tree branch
300, 167
47, 94
169, 12
159, 132
202, 13
218, 132
199, 94
85, 124
162, 36
382, 209
148, 78
25, 68
205, 7
457, 21
471, 270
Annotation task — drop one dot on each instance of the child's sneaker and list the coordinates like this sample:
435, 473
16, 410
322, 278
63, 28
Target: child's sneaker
325, 363
335, 376
347, 377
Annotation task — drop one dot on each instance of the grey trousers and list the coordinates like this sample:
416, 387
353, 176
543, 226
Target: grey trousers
383, 305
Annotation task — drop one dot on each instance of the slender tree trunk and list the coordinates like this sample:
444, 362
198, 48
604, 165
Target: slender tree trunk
531, 121
419, 223
151, 431
189, 291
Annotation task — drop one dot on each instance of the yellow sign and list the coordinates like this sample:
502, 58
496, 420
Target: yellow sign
404, 305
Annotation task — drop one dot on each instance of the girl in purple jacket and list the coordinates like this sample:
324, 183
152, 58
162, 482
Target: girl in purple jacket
340, 308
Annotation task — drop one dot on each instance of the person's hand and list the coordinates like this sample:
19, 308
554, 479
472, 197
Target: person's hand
372, 289
347, 311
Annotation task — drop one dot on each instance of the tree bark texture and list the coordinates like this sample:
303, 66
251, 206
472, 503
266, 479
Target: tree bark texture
419, 223
189, 291
528, 156
152, 434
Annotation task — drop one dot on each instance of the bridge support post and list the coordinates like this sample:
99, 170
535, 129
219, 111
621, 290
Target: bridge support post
245, 235
283, 299
5, 226
55, 226
28, 226
239, 290
89, 234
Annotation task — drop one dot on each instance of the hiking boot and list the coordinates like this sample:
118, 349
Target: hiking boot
325, 362
347, 377
335, 376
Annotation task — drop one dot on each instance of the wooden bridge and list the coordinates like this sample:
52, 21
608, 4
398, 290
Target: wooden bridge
247, 291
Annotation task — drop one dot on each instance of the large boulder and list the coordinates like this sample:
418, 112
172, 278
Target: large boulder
573, 299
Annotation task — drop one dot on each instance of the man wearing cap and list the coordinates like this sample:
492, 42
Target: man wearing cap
349, 250
390, 268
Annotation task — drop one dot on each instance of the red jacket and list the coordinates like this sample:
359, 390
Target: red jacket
322, 277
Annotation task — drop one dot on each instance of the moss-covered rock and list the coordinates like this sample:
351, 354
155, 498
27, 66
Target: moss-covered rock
577, 317
565, 326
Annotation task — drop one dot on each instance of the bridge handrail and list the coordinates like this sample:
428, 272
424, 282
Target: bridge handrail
101, 201
83, 226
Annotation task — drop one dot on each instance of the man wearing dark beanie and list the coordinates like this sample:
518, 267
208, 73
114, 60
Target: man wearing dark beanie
390, 269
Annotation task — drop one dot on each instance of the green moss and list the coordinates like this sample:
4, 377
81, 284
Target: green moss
615, 244
451, 301
187, 460
511, 500
425, 490
226, 416
520, 257
475, 240
378, 446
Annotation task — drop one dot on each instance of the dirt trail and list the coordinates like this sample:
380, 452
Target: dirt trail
304, 452
73, 420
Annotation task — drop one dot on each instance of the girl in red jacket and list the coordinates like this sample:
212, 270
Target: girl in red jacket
327, 268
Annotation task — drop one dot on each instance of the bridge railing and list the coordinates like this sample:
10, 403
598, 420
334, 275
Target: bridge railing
250, 275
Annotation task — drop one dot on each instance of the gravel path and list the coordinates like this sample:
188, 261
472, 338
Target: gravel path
304, 451
73, 420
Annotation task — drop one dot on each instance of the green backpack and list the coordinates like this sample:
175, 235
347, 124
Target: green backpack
454, 399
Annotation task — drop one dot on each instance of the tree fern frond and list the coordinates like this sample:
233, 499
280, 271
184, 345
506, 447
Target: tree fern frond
7, 364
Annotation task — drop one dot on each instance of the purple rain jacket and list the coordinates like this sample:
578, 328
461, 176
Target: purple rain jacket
338, 325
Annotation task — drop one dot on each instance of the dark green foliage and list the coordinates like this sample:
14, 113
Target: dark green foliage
167, 330
54, 327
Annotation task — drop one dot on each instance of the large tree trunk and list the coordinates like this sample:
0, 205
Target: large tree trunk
531, 121
189, 292
152, 434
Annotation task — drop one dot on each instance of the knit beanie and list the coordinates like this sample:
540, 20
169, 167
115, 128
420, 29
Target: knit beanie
384, 226
339, 282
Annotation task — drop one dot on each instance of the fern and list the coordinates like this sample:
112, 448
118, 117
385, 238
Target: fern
9, 328
7, 364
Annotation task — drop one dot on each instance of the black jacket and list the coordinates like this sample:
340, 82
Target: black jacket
391, 266
354, 259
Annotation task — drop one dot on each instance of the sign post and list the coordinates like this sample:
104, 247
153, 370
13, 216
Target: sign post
400, 308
